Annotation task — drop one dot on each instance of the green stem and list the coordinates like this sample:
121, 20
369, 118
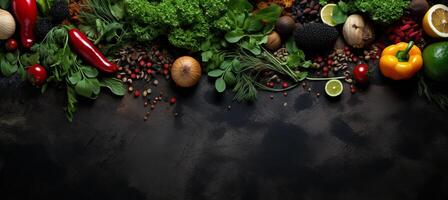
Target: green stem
325, 79
403, 56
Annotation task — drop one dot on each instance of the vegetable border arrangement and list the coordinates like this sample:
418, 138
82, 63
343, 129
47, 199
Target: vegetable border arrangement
244, 46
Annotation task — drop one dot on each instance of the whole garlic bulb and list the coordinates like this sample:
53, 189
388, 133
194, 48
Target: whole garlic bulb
7, 25
357, 32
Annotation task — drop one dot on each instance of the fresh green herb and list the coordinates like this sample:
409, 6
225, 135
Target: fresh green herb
186, 23
340, 13
64, 67
102, 21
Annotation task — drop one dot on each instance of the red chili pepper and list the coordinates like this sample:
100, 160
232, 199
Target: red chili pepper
89, 52
26, 14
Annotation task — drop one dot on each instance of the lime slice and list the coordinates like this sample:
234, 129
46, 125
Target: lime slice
334, 88
326, 14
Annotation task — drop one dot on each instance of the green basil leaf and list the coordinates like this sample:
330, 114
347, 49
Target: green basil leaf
225, 64
234, 36
75, 78
236, 64
84, 88
116, 86
96, 87
7, 68
89, 71
216, 73
230, 78
220, 85
206, 56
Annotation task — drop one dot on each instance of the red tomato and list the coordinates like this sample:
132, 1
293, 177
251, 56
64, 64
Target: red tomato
37, 74
11, 44
361, 73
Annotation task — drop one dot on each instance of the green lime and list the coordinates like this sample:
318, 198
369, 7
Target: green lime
435, 57
334, 88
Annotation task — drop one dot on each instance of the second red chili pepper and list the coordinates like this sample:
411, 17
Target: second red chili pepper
89, 52
26, 14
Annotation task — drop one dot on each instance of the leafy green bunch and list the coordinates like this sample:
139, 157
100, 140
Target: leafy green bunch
103, 22
380, 11
235, 56
64, 67
186, 23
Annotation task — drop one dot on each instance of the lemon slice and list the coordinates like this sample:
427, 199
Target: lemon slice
326, 14
334, 88
435, 22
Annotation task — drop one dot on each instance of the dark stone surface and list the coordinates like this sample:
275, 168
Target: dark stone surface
384, 143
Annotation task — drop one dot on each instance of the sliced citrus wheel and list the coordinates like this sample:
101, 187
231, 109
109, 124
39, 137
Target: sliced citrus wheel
435, 22
334, 88
326, 14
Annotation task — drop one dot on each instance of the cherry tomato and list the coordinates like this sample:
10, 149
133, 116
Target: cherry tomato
361, 73
37, 74
11, 44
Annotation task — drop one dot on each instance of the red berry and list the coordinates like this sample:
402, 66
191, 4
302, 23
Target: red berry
325, 74
11, 44
137, 93
137, 70
119, 76
330, 62
325, 69
141, 63
149, 71
285, 85
166, 72
173, 100
166, 66
346, 48
149, 64
353, 90
270, 84
133, 76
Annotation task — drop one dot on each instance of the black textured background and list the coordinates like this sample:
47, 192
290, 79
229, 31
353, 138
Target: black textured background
384, 143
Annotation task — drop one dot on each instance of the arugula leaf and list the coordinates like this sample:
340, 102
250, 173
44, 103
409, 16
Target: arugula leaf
115, 86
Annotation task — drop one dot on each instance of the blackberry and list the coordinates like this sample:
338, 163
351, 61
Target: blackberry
59, 11
306, 11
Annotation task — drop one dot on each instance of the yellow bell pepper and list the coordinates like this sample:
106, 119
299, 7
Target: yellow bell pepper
401, 61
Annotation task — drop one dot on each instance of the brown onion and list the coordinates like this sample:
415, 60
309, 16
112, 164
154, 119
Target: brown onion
186, 71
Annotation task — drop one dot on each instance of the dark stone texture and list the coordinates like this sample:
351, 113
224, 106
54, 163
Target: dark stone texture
383, 143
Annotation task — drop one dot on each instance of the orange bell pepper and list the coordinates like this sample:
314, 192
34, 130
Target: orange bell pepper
401, 61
